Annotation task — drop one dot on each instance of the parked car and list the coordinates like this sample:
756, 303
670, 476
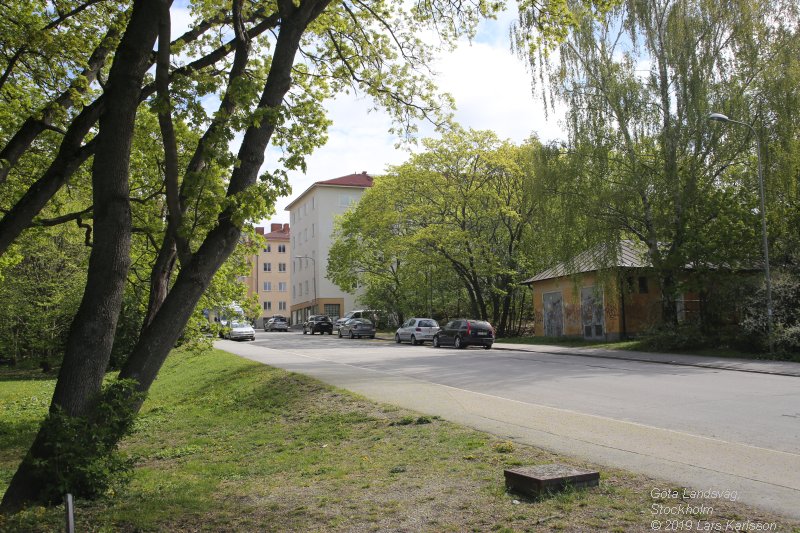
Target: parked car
357, 328
369, 314
240, 331
276, 323
464, 332
416, 330
318, 324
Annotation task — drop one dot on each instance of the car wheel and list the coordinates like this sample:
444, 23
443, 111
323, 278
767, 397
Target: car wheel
372, 336
397, 338
352, 336
413, 340
436, 342
304, 331
340, 334
457, 343
487, 347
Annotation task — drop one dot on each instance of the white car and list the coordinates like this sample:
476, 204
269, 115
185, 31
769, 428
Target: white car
416, 330
240, 331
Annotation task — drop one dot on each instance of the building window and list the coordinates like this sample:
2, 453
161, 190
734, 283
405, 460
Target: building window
306, 286
281, 267
281, 286
267, 267
332, 310
267, 286
268, 248
281, 306
281, 248
643, 285
305, 234
267, 306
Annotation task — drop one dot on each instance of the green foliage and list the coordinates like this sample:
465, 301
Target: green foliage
786, 312
40, 292
81, 454
639, 80
455, 230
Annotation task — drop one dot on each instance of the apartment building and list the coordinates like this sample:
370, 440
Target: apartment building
270, 277
312, 216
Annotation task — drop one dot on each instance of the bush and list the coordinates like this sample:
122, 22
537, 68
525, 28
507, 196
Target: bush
681, 338
80, 454
785, 314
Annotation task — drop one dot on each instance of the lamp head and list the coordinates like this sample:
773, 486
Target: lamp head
719, 117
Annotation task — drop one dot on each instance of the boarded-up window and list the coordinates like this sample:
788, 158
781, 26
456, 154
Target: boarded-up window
553, 314
592, 313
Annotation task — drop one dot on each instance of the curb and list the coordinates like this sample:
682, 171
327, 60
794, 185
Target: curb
623, 357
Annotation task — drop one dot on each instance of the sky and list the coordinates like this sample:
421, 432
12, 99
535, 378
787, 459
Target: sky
491, 88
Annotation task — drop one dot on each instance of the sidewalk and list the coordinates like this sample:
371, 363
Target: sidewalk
757, 366
778, 368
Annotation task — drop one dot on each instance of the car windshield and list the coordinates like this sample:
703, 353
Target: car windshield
480, 324
323, 319
428, 324
239, 325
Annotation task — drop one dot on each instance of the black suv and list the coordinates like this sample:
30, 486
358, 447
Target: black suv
318, 324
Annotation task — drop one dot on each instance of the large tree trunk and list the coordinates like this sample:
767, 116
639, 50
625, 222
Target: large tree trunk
160, 336
92, 333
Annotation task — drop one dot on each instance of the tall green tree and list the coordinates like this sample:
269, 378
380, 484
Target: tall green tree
470, 206
639, 81
270, 66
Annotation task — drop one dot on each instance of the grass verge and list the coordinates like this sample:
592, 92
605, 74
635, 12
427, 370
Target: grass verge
225, 444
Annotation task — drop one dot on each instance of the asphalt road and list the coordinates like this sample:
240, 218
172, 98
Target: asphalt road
698, 427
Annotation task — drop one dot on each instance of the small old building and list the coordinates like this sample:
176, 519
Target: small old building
600, 294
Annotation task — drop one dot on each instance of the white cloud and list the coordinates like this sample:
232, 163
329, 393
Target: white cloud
492, 90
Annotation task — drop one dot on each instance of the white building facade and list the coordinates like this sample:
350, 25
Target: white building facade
312, 217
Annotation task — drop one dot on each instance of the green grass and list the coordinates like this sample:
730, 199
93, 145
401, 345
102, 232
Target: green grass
225, 444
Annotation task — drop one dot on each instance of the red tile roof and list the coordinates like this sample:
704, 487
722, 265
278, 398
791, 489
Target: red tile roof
362, 181
351, 180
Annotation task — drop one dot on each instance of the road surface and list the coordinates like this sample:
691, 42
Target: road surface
705, 428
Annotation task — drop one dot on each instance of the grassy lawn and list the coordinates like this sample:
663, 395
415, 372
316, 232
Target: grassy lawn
225, 444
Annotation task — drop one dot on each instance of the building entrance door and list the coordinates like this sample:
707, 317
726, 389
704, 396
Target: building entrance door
553, 315
592, 313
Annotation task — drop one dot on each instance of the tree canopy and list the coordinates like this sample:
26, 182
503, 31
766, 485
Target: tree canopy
153, 144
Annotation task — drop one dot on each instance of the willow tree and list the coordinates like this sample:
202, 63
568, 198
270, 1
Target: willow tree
639, 81
269, 67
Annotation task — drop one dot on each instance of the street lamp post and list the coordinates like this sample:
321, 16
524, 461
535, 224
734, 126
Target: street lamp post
719, 117
314, 281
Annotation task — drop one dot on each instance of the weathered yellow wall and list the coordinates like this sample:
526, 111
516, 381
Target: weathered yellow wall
641, 309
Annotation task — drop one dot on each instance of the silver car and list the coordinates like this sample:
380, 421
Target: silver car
357, 328
277, 323
240, 331
416, 331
